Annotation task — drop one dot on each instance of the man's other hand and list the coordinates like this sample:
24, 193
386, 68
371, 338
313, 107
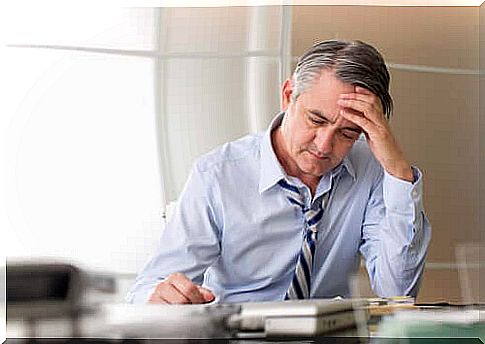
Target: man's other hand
178, 289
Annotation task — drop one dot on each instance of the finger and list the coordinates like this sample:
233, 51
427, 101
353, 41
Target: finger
360, 89
367, 97
356, 105
156, 298
167, 291
358, 92
207, 295
359, 120
368, 110
186, 287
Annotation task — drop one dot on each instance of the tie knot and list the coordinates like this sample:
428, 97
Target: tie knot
313, 214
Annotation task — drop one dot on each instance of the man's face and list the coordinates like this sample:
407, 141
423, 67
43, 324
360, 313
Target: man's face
316, 138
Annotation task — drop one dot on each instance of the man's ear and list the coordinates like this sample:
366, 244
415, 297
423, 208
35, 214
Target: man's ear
286, 92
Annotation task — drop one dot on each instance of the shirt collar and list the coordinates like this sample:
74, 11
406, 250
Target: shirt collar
271, 170
347, 164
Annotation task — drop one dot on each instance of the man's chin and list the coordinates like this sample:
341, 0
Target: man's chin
316, 170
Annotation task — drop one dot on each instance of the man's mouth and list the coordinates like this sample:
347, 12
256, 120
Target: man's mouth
318, 156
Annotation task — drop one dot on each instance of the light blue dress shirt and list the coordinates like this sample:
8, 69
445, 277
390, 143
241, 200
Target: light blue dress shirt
235, 232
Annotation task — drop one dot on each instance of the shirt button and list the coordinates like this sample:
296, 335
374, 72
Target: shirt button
415, 193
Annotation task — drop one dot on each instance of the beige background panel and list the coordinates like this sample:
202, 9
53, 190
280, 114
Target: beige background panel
482, 128
430, 36
440, 285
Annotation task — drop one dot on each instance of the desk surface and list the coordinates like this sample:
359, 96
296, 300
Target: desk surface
441, 324
318, 340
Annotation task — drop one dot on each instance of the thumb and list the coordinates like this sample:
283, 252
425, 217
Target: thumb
207, 295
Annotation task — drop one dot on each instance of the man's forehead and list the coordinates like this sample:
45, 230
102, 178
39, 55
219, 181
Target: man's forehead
325, 92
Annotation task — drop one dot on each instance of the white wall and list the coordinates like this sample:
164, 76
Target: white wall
82, 175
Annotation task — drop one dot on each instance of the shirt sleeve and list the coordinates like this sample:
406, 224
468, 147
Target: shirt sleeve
395, 235
189, 243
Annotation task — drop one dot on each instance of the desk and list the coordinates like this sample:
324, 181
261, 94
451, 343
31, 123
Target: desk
319, 340
402, 329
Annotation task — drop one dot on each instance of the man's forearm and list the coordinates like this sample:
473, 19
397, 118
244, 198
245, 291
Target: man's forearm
395, 254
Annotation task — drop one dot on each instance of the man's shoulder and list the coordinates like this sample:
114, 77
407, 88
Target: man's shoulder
245, 149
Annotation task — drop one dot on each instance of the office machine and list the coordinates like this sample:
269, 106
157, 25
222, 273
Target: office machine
48, 290
310, 317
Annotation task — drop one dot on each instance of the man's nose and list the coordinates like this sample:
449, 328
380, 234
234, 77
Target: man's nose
324, 140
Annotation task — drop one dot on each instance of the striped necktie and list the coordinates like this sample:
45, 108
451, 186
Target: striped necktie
301, 284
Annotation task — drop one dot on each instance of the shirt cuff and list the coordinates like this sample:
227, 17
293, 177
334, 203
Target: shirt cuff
141, 296
401, 196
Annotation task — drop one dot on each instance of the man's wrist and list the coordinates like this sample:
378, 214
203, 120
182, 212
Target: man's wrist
402, 171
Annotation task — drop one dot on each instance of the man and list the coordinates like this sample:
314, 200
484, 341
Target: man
287, 214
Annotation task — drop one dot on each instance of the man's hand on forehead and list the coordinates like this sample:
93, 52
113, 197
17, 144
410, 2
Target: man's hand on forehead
364, 103
364, 109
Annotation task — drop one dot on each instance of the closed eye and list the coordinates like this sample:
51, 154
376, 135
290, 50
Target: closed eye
316, 118
350, 134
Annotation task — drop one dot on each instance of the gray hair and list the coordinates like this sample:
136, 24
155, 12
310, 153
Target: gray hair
354, 62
